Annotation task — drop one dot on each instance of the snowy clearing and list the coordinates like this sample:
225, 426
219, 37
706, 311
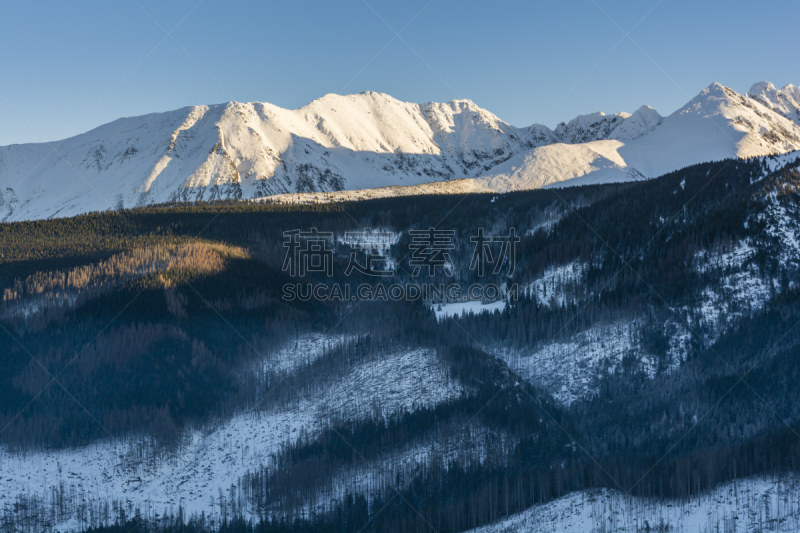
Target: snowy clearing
750, 505
214, 458
444, 311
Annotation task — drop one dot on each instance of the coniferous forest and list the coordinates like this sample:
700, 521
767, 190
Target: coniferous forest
645, 339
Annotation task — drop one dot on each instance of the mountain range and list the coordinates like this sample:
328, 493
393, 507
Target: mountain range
371, 140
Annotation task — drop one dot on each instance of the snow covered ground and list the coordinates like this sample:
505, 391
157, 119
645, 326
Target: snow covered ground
469, 308
737, 287
783, 224
464, 440
214, 458
570, 369
559, 285
750, 505
301, 351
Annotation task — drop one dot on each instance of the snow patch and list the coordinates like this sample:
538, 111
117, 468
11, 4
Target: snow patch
212, 459
750, 505
456, 309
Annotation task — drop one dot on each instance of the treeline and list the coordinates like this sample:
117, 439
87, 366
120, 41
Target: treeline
43, 296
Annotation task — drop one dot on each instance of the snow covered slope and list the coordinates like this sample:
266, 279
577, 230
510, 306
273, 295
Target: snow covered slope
370, 140
217, 456
784, 101
587, 128
717, 124
754, 504
237, 150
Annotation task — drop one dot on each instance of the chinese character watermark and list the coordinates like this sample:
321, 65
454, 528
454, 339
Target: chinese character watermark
482, 254
374, 246
307, 251
429, 249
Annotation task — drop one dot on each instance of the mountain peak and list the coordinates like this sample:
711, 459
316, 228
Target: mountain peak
455, 103
641, 122
331, 99
711, 100
716, 90
760, 88
591, 127
785, 102
465, 101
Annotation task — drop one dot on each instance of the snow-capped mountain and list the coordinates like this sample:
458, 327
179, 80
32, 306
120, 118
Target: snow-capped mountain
784, 101
716, 124
587, 128
369, 140
641, 122
238, 150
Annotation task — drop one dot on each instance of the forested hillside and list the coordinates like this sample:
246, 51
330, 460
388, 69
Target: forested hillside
644, 340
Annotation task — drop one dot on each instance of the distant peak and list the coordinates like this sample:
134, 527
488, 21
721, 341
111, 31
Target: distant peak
715, 88
328, 96
374, 94
641, 122
454, 103
761, 88
647, 113
336, 99
589, 127
785, 101
715, 91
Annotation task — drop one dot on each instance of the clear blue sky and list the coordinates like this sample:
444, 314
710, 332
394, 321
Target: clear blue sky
67, 67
